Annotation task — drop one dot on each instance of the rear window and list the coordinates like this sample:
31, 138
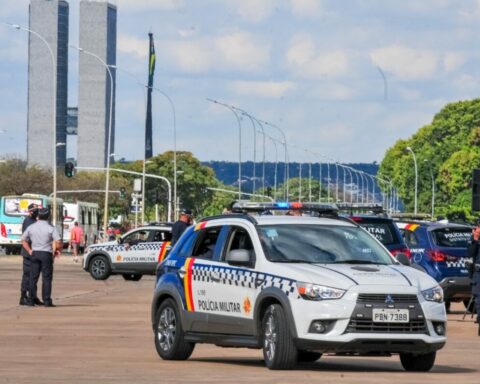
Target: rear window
383, 231
452, 237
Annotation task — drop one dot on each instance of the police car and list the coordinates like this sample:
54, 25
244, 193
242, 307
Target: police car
296, 287
135, 254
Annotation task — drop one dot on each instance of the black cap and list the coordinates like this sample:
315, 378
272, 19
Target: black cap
44, 213
32, 206
186, 212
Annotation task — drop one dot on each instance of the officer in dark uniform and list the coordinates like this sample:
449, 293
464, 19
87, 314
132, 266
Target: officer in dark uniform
474, 253
45, 245
183, 222
25, 286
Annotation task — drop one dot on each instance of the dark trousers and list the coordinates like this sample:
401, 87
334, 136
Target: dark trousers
25, 286
41, 262
476, 292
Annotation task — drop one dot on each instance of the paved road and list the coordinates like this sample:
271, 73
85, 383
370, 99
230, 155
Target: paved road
100, 332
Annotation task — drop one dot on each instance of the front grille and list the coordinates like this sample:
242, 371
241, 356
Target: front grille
368, 326
381, 298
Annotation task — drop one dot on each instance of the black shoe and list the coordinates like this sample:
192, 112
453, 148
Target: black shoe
49, 304
37, 301
23, 300
30, 303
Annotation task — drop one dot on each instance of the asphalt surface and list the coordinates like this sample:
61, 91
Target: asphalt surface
100, 332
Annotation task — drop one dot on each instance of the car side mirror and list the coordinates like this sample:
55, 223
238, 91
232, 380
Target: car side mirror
403, 259
239, 257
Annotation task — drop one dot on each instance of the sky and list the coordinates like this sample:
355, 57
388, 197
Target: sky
344, 79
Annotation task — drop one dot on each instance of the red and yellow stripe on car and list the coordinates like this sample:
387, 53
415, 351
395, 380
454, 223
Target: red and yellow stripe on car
187, 283
163, 250
412, 227
201, 225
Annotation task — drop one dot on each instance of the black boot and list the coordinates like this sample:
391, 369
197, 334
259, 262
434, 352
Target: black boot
37, 301
23, 298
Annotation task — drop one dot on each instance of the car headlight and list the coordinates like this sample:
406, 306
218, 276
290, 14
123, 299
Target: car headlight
318, 292
433, 294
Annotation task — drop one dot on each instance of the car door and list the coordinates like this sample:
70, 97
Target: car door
137, 254
161, 243
225, 293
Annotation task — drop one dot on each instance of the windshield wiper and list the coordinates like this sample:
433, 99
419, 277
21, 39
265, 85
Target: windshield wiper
358, 261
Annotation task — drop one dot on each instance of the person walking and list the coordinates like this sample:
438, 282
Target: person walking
25, 285
42, 242
474, 253
77, 238
183, 222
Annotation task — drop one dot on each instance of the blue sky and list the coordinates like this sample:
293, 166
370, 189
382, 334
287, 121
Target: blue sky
311, 67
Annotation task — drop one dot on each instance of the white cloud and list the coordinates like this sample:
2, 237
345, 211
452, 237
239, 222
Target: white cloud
191, 56
305, 61
253, 11
453, 61
406, 63
306, 8
241, 51
133, 46
264, 89
149, 5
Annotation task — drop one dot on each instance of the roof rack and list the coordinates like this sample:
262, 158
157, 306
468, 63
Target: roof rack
250, 206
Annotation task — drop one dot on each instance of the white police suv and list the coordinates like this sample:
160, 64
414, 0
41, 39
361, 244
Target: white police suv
295, 286
135, 254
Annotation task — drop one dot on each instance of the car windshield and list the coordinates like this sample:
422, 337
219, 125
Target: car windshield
301, 243
452, 237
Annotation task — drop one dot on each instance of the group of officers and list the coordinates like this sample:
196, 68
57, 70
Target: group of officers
40, 245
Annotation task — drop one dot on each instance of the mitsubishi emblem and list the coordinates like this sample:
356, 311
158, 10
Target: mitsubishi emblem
389, 300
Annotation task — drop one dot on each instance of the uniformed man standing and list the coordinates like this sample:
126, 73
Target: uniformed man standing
474, 253
25, 286
45, 245
183, 222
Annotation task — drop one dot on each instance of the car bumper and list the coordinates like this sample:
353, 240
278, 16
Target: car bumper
456, 288
369, 346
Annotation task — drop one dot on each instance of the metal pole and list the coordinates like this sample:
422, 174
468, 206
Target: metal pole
416, 178
54, 112
300, 182
107, 176
336, 182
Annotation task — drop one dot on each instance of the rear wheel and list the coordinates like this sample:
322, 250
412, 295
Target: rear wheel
132, 276
99, 268
418, 362
308, 356
279, 351
169, 336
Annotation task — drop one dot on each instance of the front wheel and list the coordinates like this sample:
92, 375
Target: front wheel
99, 268
279, 350
132, 276
418, 363
169, 335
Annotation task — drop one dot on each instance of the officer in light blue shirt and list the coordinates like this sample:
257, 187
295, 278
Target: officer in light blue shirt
42, 242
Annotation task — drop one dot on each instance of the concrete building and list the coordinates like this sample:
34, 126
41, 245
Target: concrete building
48, 18
98, 35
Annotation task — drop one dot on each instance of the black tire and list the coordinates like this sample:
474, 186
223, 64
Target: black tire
99, 268
470, 308
418, 362
279, 351
132, 276
308, 356
169, 336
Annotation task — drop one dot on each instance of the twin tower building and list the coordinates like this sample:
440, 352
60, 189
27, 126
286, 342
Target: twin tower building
95, 116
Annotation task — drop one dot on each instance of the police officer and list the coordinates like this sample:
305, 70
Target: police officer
183, 222
474, 253
45, 245
25, 285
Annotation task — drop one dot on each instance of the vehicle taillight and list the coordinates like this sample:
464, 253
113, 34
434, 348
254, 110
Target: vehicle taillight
3, 230
356, 218
406, 251
438, 255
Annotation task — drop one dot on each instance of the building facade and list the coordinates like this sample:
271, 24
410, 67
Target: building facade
48, 18
96, 92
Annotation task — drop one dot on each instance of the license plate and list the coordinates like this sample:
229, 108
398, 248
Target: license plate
385, 315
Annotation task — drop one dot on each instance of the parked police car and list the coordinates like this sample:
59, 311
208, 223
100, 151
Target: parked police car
136, 253
296, 287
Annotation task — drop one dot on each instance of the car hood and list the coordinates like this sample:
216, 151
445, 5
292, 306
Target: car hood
345, 276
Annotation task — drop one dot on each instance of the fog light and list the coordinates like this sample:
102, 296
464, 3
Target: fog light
439, 328
319, 326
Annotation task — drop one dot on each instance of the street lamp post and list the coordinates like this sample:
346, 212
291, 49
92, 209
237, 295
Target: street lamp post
433, 188
109, 140
409, 149
54, 112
